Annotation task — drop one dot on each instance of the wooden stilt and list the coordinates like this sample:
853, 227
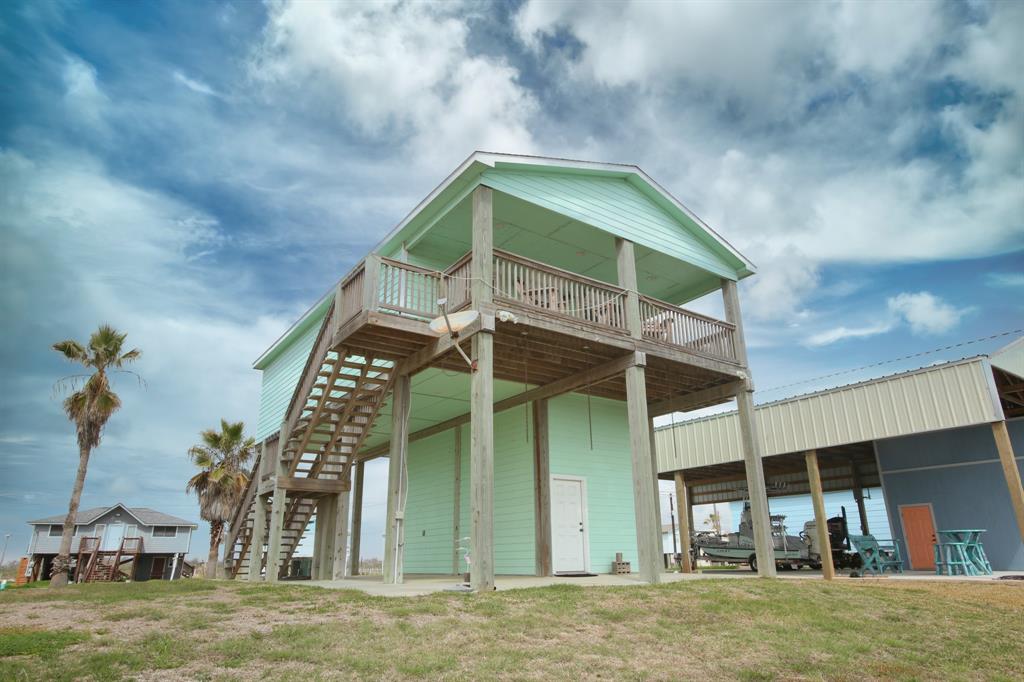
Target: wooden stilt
685, 519
394, 538
325, 560
1010, 471
648, 525
277, 511
259, 538
339, 554
318, 539
542, 487
828, 571
357, 519
481, 447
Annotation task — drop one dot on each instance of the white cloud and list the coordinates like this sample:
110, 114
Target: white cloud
398, 69
83, 96
195, 85
1005, 279
925, 312
841, 333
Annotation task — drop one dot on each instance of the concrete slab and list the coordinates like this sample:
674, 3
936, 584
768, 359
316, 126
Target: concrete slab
420, 585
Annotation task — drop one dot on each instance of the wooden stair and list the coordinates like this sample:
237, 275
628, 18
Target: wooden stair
332, 412
99, 566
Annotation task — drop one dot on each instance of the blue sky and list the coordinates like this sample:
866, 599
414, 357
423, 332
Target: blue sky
197, 174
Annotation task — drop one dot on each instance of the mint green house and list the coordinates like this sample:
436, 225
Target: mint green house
506, 346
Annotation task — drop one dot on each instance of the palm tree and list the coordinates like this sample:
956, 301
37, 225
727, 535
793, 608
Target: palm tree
89, 408
222, 479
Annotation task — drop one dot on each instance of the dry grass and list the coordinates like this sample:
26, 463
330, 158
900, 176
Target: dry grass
708, 629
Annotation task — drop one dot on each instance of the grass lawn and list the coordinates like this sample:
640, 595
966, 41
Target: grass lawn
701, 629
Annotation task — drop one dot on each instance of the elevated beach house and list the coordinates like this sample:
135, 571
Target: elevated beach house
114, 543
506, 347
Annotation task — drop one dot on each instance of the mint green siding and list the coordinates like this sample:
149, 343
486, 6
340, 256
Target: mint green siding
430, 507
607, 469
616, 206
281, 375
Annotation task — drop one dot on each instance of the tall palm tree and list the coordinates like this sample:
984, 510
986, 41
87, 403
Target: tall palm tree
221, 481
89, 408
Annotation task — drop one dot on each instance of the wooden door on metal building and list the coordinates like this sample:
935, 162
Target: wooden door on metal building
919, 534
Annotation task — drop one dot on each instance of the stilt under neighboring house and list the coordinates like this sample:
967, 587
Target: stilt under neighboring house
519, 438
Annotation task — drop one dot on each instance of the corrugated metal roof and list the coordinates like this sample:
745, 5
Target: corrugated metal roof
145, 516
943, 396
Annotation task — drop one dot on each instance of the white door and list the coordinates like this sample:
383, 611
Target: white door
568, 524
113, 536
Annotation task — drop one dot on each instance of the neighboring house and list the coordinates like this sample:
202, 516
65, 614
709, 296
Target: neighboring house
162, 541
942, 443
536, 455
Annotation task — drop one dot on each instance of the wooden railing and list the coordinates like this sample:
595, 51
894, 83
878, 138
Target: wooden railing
408, 290
673, 325
526, 282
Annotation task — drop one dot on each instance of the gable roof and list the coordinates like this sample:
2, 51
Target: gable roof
506, 172
144, 515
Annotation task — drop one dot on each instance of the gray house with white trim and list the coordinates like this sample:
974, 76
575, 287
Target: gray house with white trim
165, 539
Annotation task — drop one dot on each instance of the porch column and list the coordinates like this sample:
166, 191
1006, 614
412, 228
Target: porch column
338, 559
258, 537
828, 571
277, 509
645, 481
398, 481
481, 449
685, 529
357, 520
1010, 471
753, 450
324, 559
542, 487
318, 538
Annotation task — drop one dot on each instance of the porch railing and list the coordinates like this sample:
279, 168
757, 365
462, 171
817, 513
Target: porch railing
557, 291
678, 327
408, 290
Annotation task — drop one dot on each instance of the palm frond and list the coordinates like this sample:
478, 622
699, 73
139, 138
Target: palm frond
72, 350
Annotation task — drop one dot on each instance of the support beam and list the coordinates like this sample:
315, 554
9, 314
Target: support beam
277, 510
626, 263
258, 537
457, 504
325, 531
648, 525
695, 400
685, 521
318, 539
338, 559
542, 488
731, 299
398, 480
481, 448
357, 519
1010, 471
312, 485
828, 571
752, 454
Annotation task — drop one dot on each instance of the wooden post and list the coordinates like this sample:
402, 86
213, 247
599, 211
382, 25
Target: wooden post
542, 487
258, 538
338, 560
357, 519
318, 539
277, 510
828, 571
371, 281
645, 481
481, 448
685, 521
1010, 471
457, 502
325, 525
751, 441
648, 525
394, 538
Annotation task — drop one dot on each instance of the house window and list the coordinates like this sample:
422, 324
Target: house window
56, 531
164, 531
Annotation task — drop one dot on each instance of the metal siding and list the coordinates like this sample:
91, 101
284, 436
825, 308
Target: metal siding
613, 205
280, 378
966, 487
931, 399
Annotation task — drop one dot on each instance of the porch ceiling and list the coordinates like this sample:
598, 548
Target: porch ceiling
549, 237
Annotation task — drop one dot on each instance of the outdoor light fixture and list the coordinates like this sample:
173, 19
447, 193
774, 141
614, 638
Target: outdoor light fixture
452, 325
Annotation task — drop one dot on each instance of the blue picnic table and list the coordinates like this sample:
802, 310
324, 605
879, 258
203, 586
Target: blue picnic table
960, 552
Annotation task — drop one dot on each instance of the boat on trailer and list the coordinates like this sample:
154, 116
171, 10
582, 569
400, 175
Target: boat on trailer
791, 551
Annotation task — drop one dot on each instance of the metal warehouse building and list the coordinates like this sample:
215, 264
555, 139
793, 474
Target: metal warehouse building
940, 441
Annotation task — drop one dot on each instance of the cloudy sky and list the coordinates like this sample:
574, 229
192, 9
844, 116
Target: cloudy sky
197, 174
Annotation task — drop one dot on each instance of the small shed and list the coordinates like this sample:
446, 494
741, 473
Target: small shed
940, 441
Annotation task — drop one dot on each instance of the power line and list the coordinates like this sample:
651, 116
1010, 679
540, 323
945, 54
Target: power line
892, 360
